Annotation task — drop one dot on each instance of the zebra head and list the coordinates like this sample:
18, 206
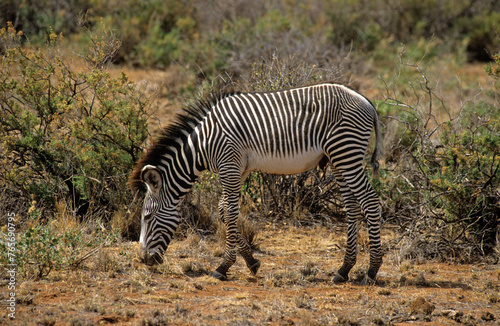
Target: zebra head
158, 219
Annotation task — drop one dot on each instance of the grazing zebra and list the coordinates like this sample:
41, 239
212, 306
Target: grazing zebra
280, 132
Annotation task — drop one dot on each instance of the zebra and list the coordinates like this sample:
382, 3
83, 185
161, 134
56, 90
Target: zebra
279, 132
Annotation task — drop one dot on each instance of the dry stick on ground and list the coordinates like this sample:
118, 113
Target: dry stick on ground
89, 254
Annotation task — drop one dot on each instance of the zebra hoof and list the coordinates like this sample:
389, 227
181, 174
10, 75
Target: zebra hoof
339, 278
219, 276
255, 267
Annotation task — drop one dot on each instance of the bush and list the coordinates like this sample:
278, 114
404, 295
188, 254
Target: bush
442, 179
39, 252
466, 175
66, 133
38, 18
153, 33
493, 68
206, 38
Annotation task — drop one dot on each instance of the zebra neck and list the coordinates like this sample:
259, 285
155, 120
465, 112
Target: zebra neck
177, 181
180, 170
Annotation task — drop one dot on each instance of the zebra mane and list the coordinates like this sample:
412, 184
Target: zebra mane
182, 125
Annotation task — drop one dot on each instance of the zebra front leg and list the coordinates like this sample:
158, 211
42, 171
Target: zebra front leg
243, 247
229, 256
246, 252
228, 213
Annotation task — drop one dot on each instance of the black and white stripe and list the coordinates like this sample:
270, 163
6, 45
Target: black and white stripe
280, 132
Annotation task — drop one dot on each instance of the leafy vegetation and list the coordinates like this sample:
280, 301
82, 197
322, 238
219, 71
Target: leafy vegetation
442, 177
216, 35
67, 134
63, 243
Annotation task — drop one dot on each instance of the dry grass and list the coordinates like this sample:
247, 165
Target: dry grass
293, 287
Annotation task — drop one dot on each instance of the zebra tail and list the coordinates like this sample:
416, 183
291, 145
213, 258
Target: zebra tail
378, 147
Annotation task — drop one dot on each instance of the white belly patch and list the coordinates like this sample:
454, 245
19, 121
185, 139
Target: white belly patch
285, 165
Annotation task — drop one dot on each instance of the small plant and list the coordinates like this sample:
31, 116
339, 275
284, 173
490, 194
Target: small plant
303, 301
282, 278
192, 267
39, 251
92, 305
309, 271
158, 318
493, 68
384, 292
105, 262
42, 248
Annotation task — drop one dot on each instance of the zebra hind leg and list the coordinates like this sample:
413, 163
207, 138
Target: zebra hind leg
363, 193
342, 274
376, 254
354, 214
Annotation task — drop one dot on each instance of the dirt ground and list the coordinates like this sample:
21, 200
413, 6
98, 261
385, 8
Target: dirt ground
293, 287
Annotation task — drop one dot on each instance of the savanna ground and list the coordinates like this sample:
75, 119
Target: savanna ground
293, 286
110, 285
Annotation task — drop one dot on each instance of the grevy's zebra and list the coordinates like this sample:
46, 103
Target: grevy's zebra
281, 132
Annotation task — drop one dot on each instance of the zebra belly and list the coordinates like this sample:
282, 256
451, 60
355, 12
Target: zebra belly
291, 164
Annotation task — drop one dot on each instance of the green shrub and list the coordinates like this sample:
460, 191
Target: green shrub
63, 243
217, 35
66, 133
465, 175
38, 18
38, 252
153, 33
493, 68
442, 178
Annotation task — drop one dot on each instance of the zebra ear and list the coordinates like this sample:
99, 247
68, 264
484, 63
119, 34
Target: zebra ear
151, 176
